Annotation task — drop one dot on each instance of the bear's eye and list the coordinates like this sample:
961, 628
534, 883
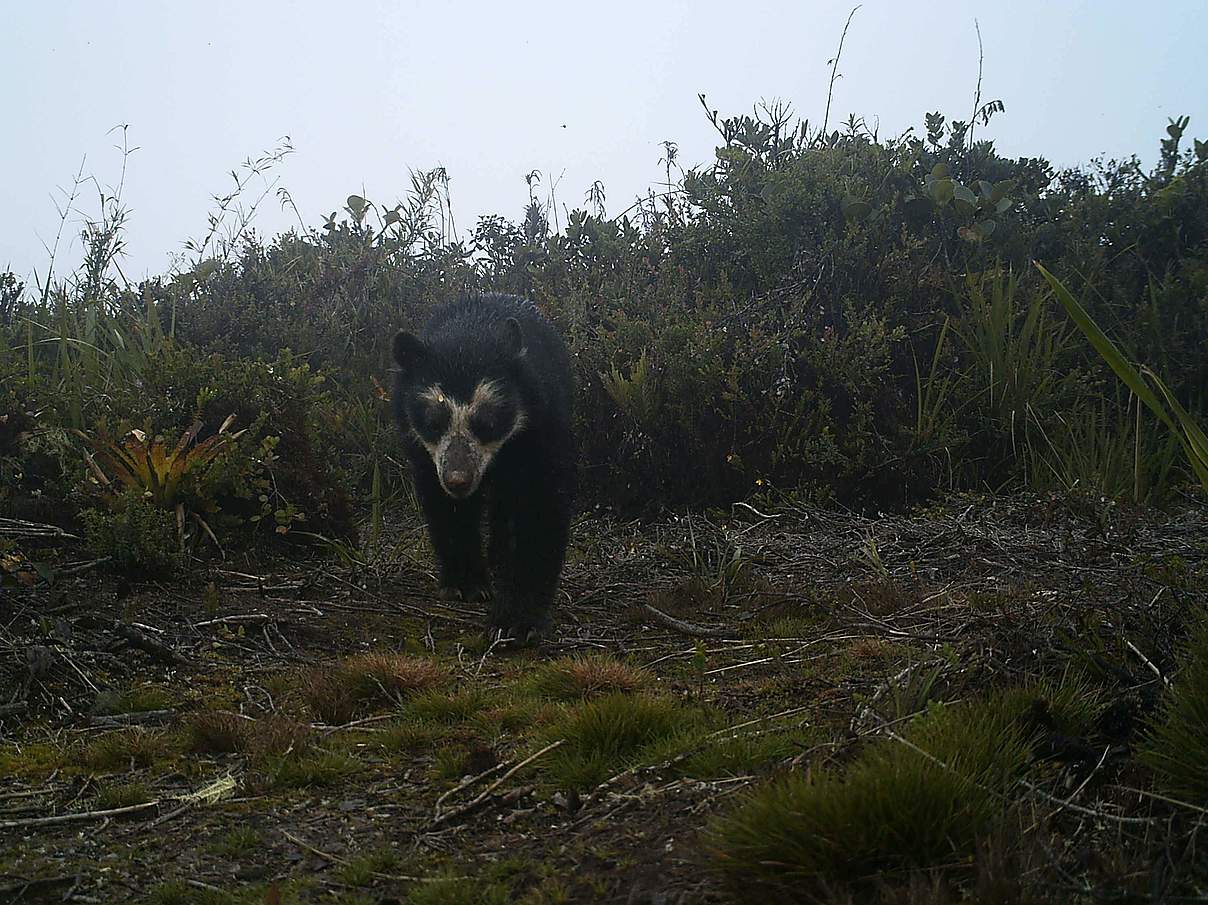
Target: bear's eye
432, 419
491, 422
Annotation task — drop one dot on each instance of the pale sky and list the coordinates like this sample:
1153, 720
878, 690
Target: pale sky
492, 90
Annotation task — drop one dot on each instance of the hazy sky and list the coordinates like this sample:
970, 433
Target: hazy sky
492, 90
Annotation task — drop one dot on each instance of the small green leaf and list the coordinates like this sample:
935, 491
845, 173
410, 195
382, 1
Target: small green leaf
940, 191
939, 171
963, 193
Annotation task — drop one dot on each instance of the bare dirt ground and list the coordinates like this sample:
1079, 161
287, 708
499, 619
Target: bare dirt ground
793, 634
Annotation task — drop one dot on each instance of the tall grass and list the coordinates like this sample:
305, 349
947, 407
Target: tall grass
1147, 386
1013, 350
89, 331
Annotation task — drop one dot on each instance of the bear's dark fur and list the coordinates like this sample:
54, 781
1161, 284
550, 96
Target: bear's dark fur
484, 395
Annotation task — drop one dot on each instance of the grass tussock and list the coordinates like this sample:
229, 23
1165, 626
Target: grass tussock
885, 596
237, 843
312, 769
607, 734
222, 732
445, 708
216, 732
339, 692
575, 678
1177, 744
361, 870
127, 749
32, 761
123, 795
918, 802
140, 699
741, 755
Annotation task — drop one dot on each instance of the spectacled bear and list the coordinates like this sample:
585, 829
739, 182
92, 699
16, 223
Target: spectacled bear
484, 395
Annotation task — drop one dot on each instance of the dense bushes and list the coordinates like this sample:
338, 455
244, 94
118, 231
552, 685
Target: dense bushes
837, 314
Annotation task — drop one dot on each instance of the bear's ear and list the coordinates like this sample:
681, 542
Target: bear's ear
513, 337
409, 350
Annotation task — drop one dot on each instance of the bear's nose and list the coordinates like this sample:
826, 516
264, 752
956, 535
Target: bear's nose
458, 481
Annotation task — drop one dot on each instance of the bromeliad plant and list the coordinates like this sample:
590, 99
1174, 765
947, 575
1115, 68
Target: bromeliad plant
159, 471
150, 465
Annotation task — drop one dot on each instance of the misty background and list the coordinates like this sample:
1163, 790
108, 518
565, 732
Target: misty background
367, 91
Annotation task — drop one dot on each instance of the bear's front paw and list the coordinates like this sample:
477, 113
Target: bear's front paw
519, 629
471, 593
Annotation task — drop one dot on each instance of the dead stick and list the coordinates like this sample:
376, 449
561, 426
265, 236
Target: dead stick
465, 784
144, 642
465, 809
684, 628
74, 818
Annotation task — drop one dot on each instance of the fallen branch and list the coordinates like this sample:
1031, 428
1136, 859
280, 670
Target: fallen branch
137, 718
15, 527
684, 628
248, 618
146, 643
486, 794
77, 817
466, 783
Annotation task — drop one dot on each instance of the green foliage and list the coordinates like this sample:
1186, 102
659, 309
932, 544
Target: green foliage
824, 312
1177, 743
921, 799
122, 795
574, 678
133, 533
1143, 383
607, 734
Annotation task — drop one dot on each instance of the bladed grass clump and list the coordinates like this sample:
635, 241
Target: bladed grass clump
920, 799
1177, 745
222, 732
610, 733
338, 692
127, 749
593, 675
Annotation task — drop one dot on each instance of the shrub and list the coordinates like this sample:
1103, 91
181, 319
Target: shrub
134, 533
765, 323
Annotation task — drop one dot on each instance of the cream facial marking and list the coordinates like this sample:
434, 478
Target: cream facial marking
461, 458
